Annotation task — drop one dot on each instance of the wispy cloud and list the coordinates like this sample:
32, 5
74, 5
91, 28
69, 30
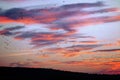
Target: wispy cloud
105, 67
67, 18
74, 50
108, 50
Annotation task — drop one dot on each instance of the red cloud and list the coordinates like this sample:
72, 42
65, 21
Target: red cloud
57, 18
114, 68
4, 20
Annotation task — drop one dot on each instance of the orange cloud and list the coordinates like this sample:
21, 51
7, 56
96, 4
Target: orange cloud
114, 68
46, 37
70, 54
5, 20
79, 66
89, 42
43, 56
113, 44
102, 67
18, 38
72, 51
56, 18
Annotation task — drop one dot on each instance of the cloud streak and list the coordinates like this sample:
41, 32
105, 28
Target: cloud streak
96, 67
108, 50
67, 18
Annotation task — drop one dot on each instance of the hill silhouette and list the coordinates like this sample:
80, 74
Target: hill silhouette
15, 73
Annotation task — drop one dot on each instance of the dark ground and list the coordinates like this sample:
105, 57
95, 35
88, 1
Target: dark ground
10, 73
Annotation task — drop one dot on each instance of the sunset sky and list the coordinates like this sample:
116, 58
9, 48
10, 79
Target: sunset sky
70, 35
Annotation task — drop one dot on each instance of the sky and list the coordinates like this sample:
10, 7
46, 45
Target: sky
70, 35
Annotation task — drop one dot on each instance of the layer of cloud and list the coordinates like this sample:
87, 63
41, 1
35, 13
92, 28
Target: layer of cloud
108, 50
95, 67
74, 50
67, 18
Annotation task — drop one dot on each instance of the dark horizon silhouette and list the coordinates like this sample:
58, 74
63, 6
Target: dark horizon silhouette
10, 73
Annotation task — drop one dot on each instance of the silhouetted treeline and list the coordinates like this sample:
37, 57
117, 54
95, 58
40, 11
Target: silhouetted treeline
15, 73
